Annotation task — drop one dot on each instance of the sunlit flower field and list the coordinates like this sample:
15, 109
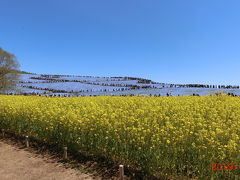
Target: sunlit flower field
161, 136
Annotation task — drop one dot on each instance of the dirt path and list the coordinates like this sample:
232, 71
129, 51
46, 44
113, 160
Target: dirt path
20, 164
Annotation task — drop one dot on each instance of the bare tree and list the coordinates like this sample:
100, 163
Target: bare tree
8, 71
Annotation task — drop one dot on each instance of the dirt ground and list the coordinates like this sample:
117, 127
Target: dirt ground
20, 164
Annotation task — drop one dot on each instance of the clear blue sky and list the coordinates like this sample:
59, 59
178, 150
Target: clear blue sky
176, 41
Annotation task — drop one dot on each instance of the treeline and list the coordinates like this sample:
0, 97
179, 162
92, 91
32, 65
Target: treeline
197, 86
132, 86
58, 76
139, 80
93, 95
51, 80
209, 86
80, 91
33, 82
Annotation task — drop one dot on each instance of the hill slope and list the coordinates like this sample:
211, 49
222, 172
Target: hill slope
95, 86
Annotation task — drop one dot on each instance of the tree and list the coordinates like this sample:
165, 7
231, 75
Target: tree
8, 70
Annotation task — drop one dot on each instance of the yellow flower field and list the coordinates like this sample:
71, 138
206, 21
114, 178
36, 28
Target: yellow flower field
162, 136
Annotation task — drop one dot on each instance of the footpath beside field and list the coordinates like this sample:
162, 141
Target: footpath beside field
20, 164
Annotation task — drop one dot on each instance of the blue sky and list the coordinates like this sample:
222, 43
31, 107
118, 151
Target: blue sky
187, 41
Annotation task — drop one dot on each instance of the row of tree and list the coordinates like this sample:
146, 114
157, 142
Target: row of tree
52, 80
71, 91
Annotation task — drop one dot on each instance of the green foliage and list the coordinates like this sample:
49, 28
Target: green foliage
8, 70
